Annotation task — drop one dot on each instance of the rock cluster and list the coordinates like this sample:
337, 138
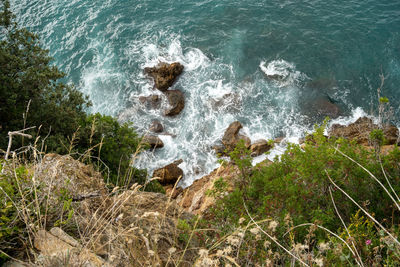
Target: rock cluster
233, 135
361, 129
164, 76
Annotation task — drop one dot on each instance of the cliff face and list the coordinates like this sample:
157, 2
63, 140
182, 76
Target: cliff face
85, 225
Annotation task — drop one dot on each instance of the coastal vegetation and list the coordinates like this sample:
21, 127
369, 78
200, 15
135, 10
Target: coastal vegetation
68, 181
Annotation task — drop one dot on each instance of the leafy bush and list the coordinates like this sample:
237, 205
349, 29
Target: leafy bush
297, 185
32, 95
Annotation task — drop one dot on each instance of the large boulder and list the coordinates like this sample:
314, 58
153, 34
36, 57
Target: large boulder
232, 136
164, 74
152, 141
176, 101
259, 147
361, 129
169, 174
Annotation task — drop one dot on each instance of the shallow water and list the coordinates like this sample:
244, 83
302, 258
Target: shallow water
322, 50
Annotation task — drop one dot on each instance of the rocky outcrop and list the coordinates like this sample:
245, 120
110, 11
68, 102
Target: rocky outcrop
232, 136
151, 101
260, 147
121, 228
194, 198
156, 127
62, 174
177, 102
169, 174
164, 74
152, 141
361, 129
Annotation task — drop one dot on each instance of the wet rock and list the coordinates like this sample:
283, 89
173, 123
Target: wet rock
276, 77
152, 141
156, 127
361, 129
151, 101
219, 149
232, 136
176, 101
325, 107
164, 74
259, 147
230, 102
170, 173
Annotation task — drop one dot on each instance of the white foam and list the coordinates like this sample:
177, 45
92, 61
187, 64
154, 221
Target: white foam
283, 69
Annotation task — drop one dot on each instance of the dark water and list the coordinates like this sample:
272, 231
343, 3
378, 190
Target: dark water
329, 50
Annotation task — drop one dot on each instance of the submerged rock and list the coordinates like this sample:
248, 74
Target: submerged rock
151, 101
153, 141
164, 74
176, 101
156, 127
259, 147
325, 107
170, 173
361, 129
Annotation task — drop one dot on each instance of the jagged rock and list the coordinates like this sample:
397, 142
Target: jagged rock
156, 127
152, 141
53, 249
170, 173
176, 101
164, 74
361, 129
64, 174
195, 199
232, 136
151, 101
259, 147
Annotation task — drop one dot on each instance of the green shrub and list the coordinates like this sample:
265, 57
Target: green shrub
297, 184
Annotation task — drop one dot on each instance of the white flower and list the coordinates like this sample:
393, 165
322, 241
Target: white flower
233, 241
323, 246
203, 253
254, 231
273, 225
319, 262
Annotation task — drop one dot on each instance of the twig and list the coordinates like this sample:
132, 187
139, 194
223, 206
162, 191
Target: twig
363, 210
345, 227
274, 239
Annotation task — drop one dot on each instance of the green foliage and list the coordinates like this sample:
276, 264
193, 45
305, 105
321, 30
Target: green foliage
103, 137
297, 184
31, 95
241, 156
377, 137
383, 100
27, 78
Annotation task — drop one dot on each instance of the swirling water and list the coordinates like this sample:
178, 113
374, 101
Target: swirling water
323, 50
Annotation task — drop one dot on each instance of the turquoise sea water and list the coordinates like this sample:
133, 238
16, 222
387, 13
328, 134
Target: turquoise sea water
324, 49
